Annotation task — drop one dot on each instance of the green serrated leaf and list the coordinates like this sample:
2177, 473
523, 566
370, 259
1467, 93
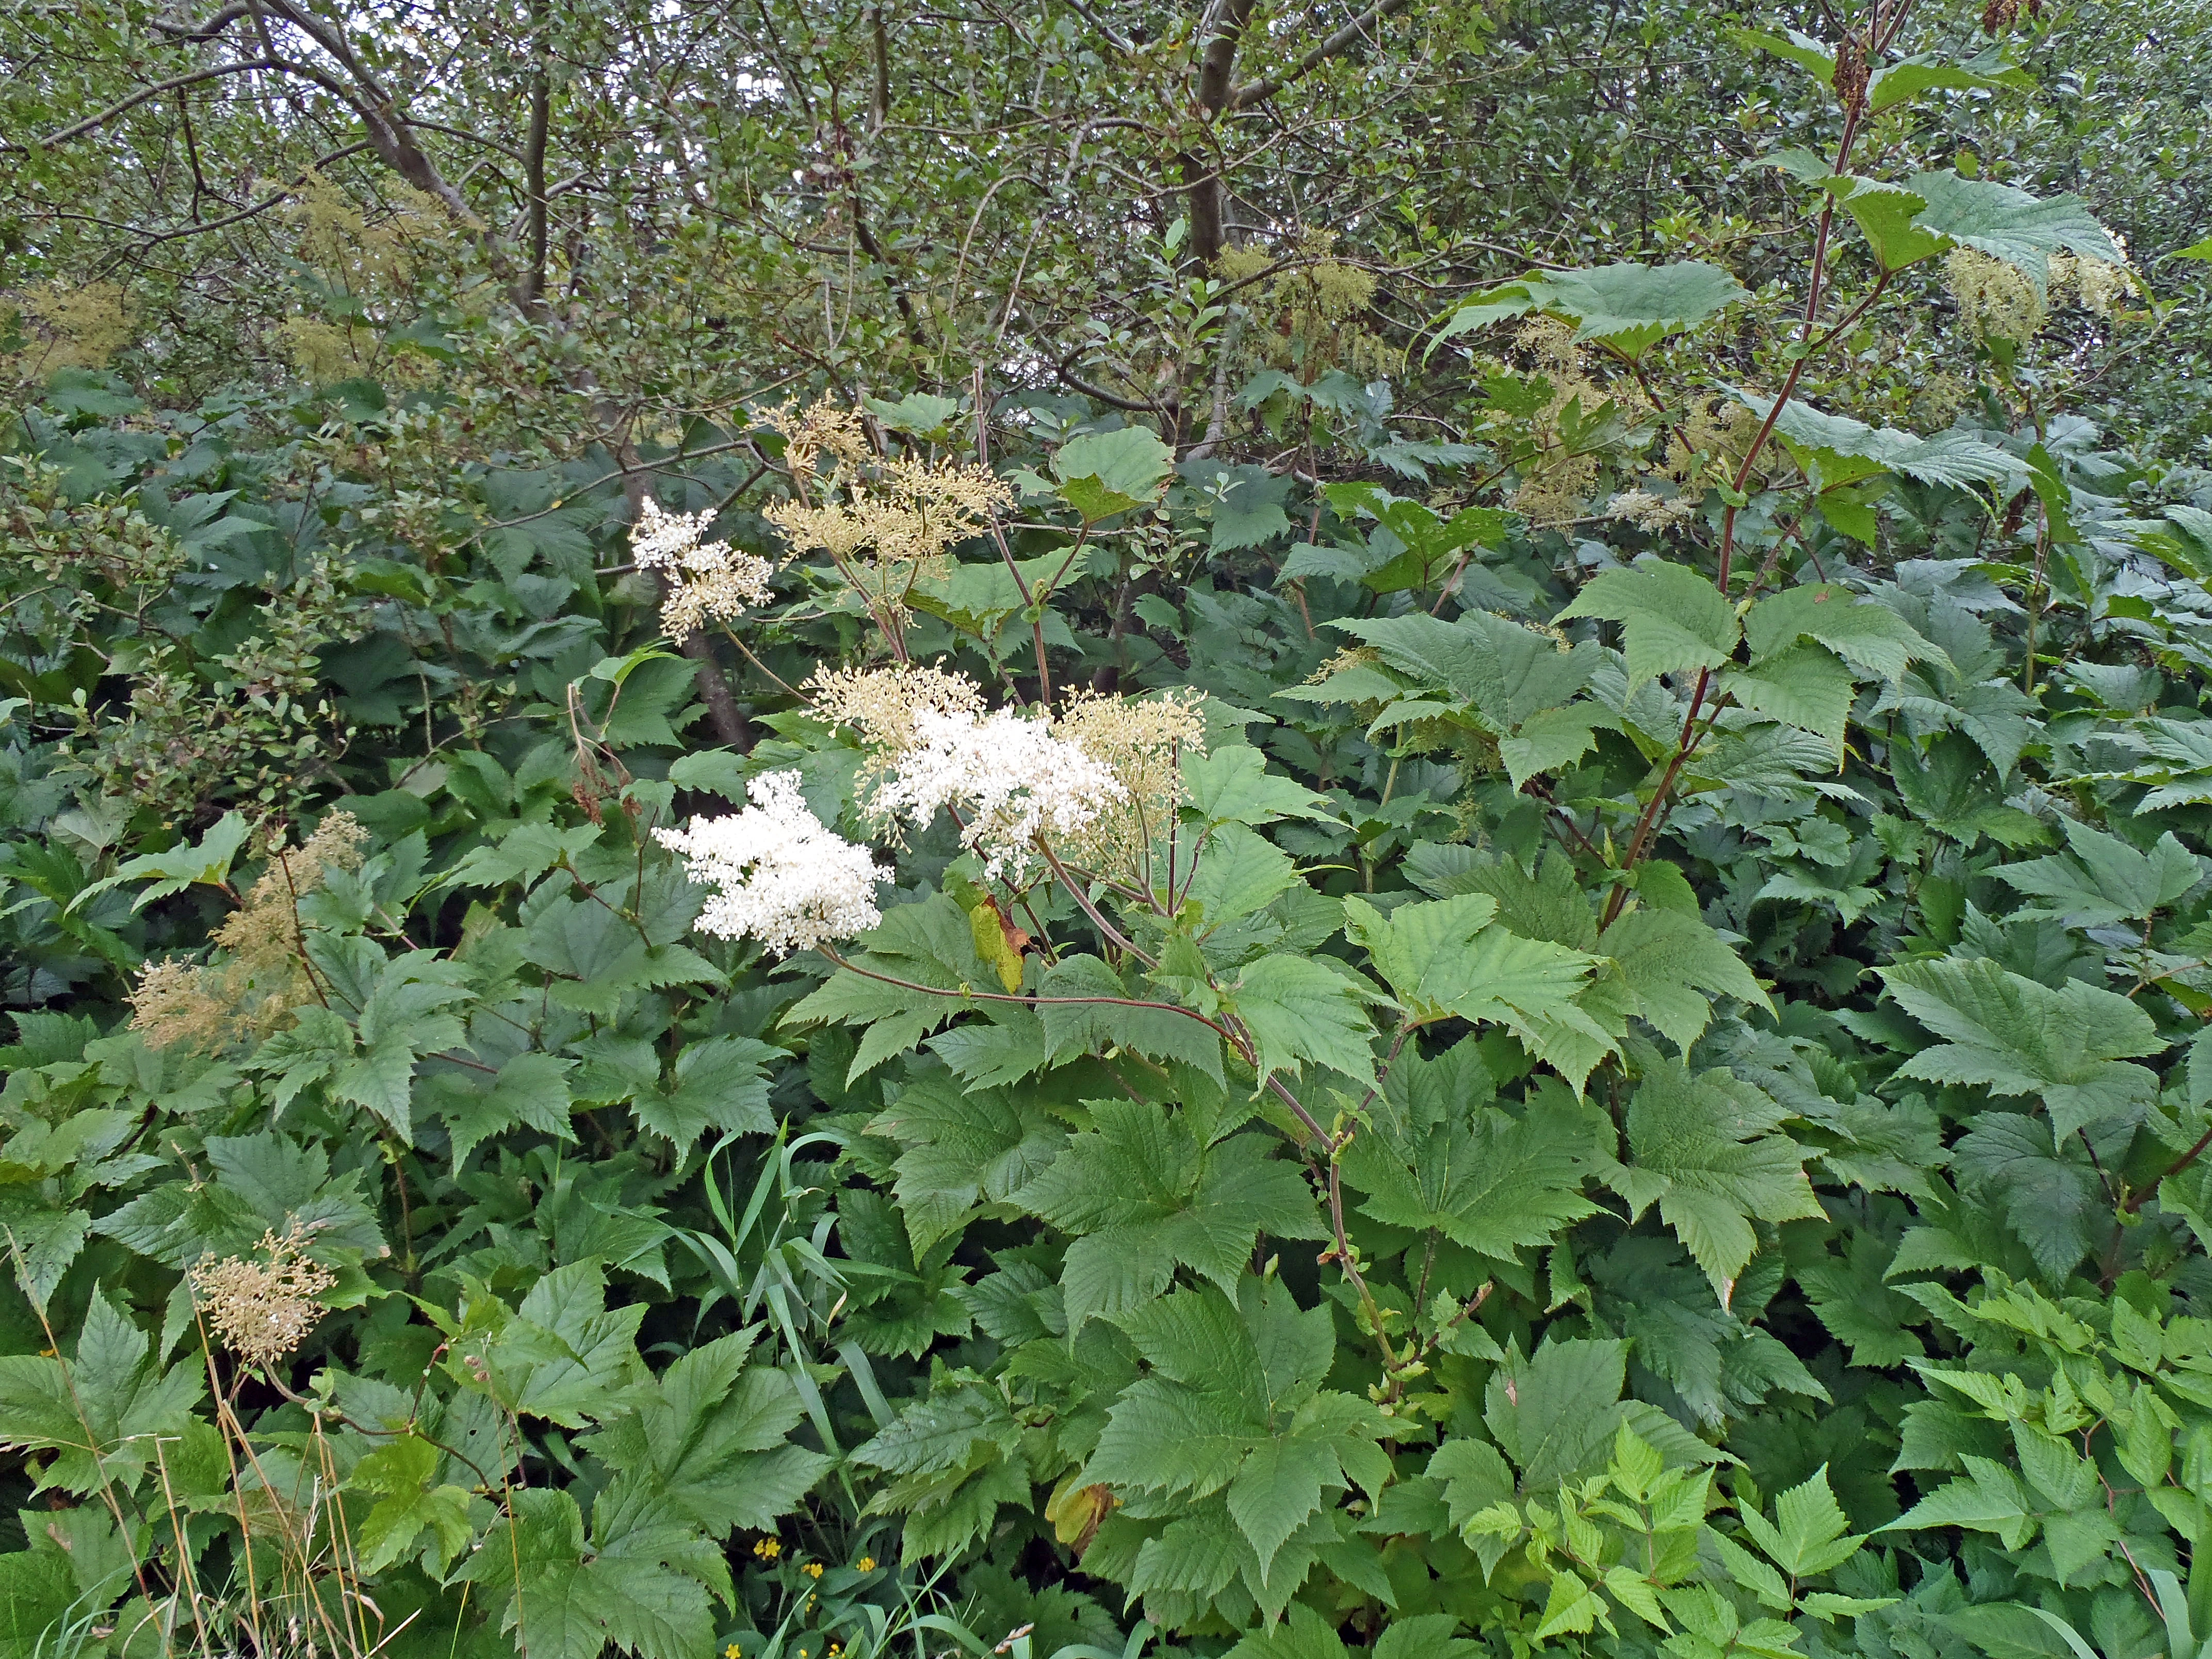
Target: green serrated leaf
1704, 1149
1297, 1010
2070, 1047
1672, 618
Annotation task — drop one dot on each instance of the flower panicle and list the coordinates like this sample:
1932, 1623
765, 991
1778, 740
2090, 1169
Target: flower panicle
885, 521
706, 581
781, 875
1011, 778
263, 975
1143, 743
263, 1310
881, 704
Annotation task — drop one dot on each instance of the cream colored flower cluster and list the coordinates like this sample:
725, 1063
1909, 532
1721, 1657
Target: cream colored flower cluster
706, 581
886, 523
265, 975
1997, 301
780, 875
1144, 744
2102, 287
890, 525
1098, 781
881, 704
1654, 514
261, 1310
1096, 784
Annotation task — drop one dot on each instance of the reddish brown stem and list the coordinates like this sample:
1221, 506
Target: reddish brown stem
1654, 813
2139, 1200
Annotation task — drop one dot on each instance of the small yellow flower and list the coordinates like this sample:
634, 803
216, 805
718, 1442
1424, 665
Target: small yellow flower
767, 1549
835, 1648
812, 1569
731, 1651
867, 1564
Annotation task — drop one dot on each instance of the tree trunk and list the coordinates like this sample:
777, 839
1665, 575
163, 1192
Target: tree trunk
1204, 192
533, 155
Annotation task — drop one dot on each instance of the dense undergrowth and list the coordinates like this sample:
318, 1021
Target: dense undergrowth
1578, 1029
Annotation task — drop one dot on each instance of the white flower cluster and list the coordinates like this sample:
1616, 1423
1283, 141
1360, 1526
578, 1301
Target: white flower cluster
782, 877
705, 579
1010, 778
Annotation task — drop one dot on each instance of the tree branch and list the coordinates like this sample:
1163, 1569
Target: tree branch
1222, 32
390, 133
1219, 34
873, 249
144, 93
1255, 92
150, 237
1100, 393
207, 31
533, 159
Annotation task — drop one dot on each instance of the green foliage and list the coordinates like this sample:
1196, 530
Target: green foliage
1617, 1069
1628, 308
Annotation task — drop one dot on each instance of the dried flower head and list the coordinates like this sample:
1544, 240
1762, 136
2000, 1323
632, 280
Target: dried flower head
1995, 300
263, 976
362, 258
780, 876
173, 1006
881, 703
1852, 74
1998, 16
262, 1310
1550, 346
1142, 743
704, 581
1011, 779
